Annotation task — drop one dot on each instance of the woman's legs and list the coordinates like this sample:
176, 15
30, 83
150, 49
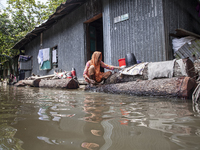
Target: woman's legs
91, 72
106, 75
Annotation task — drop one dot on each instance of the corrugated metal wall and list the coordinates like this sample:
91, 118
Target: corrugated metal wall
142, 34
179, 14
106, 32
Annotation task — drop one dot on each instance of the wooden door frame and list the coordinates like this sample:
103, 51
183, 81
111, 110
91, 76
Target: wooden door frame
86, 23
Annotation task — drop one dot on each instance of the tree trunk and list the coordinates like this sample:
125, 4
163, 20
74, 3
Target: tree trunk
60, 83
169, 87
20, 83
119, 78
33, 83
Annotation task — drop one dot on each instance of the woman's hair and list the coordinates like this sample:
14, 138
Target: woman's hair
96, 61
96, 56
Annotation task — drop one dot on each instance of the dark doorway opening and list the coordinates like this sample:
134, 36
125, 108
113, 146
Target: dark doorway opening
94, 37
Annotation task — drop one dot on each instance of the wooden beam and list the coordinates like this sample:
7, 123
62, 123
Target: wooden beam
94, 18
33, 34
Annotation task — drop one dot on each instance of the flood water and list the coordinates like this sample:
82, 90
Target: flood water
60, 119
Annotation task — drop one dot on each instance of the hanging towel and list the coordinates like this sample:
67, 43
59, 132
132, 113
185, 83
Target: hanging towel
137, 69
46, 54
182, 66
54, 56
160, 69
40, 57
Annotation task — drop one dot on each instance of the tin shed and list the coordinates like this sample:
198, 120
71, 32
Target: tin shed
114, 27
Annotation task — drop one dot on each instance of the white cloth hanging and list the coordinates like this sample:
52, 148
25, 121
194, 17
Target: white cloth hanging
46, 54
54, 56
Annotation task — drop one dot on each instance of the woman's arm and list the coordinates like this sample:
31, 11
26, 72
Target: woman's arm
85, 73
110, 67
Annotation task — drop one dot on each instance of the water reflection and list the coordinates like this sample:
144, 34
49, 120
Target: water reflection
7, 139
74, 119
95, 109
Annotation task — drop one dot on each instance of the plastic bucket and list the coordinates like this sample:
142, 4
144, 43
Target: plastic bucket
122, 62
130, 60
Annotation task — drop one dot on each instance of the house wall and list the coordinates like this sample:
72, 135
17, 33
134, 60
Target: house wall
179, 14
142, 34
68, 34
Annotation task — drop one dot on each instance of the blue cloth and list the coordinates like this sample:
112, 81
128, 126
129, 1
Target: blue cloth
40, 57
46, 65
24, 57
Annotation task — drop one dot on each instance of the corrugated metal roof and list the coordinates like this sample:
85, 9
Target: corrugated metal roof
64, 9
188, 50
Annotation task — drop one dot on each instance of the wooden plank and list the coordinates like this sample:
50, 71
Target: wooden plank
43, 77
94, 18
183, 33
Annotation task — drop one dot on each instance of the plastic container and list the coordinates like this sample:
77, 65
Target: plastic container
73, 72
69, 75
130, 60
122, 62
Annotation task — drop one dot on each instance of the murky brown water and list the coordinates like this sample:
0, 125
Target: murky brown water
56, 119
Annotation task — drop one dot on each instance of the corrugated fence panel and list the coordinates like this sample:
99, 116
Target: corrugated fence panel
142, 34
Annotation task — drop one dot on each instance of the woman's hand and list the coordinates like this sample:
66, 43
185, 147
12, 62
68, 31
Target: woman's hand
92, 81
117, 68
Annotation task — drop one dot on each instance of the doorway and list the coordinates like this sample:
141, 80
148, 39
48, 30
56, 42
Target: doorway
94, 37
